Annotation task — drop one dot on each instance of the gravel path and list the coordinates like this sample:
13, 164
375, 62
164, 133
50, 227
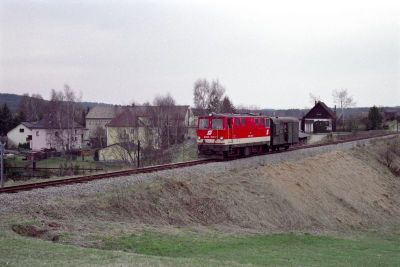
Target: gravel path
10, 203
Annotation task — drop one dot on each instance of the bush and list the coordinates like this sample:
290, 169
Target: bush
24, 146
390, 155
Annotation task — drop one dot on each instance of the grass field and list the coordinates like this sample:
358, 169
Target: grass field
188, 249
267, 250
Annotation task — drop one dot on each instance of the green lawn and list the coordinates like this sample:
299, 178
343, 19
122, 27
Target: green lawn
189, 249
267, 250
25, 251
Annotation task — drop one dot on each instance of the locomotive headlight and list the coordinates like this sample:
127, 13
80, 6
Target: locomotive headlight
221, 138
198, 138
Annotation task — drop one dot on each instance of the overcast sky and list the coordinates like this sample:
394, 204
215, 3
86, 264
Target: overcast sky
268, 54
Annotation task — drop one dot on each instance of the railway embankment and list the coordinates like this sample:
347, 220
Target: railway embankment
330, 188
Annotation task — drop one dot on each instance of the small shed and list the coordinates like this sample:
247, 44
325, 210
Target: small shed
320, 119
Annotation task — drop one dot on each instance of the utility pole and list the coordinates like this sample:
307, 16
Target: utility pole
138, 154
2, 147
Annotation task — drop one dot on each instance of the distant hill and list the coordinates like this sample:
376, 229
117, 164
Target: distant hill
13, 100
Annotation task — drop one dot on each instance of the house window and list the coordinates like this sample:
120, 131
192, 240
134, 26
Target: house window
132, 130
21, 130
76, 131
56, 134
37, 133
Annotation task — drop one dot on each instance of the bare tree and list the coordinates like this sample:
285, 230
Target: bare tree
216, 93
99, 137
343, 100
33, 107
201, 93
126, 148
165, 106
208, 96
64, 109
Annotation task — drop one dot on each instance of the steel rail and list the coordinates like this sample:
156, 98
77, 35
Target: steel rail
88, 178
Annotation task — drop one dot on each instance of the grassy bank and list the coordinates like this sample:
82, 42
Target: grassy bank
267, 250
155, 249
18, 250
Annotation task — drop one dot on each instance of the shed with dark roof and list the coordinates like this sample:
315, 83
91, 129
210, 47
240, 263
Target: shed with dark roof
320, 119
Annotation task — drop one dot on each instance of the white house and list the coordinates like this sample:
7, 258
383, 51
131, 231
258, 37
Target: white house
20, 135
47, 133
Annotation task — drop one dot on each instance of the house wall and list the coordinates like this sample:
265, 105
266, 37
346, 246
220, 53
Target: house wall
46, 138
117, 135
15, 137
92, 124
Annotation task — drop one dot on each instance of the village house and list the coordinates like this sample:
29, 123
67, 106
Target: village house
320, 119
99, 116
47, 134
144, 124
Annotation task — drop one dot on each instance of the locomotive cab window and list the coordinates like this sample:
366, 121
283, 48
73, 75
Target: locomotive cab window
237, 121
217, 124
243, 121
267, 123
203, 123
256, 121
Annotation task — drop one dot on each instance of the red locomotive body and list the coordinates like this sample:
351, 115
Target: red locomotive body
228, 134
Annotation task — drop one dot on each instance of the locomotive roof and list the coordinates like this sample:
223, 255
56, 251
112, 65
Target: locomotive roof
274, 119
232, 115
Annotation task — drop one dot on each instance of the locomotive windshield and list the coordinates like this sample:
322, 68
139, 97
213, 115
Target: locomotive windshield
203, 123
217, 124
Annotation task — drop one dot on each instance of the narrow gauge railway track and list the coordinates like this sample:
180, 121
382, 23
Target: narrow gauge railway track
88, 178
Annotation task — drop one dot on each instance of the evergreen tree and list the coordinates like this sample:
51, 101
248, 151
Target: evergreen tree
374, 118
227, 106
6, 120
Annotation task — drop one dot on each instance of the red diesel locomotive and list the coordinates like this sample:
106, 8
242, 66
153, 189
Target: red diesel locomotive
243, 134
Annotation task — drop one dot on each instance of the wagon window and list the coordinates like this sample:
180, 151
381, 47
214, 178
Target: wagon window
217, 124
243, 121
256, 121
203, 123
237, 121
